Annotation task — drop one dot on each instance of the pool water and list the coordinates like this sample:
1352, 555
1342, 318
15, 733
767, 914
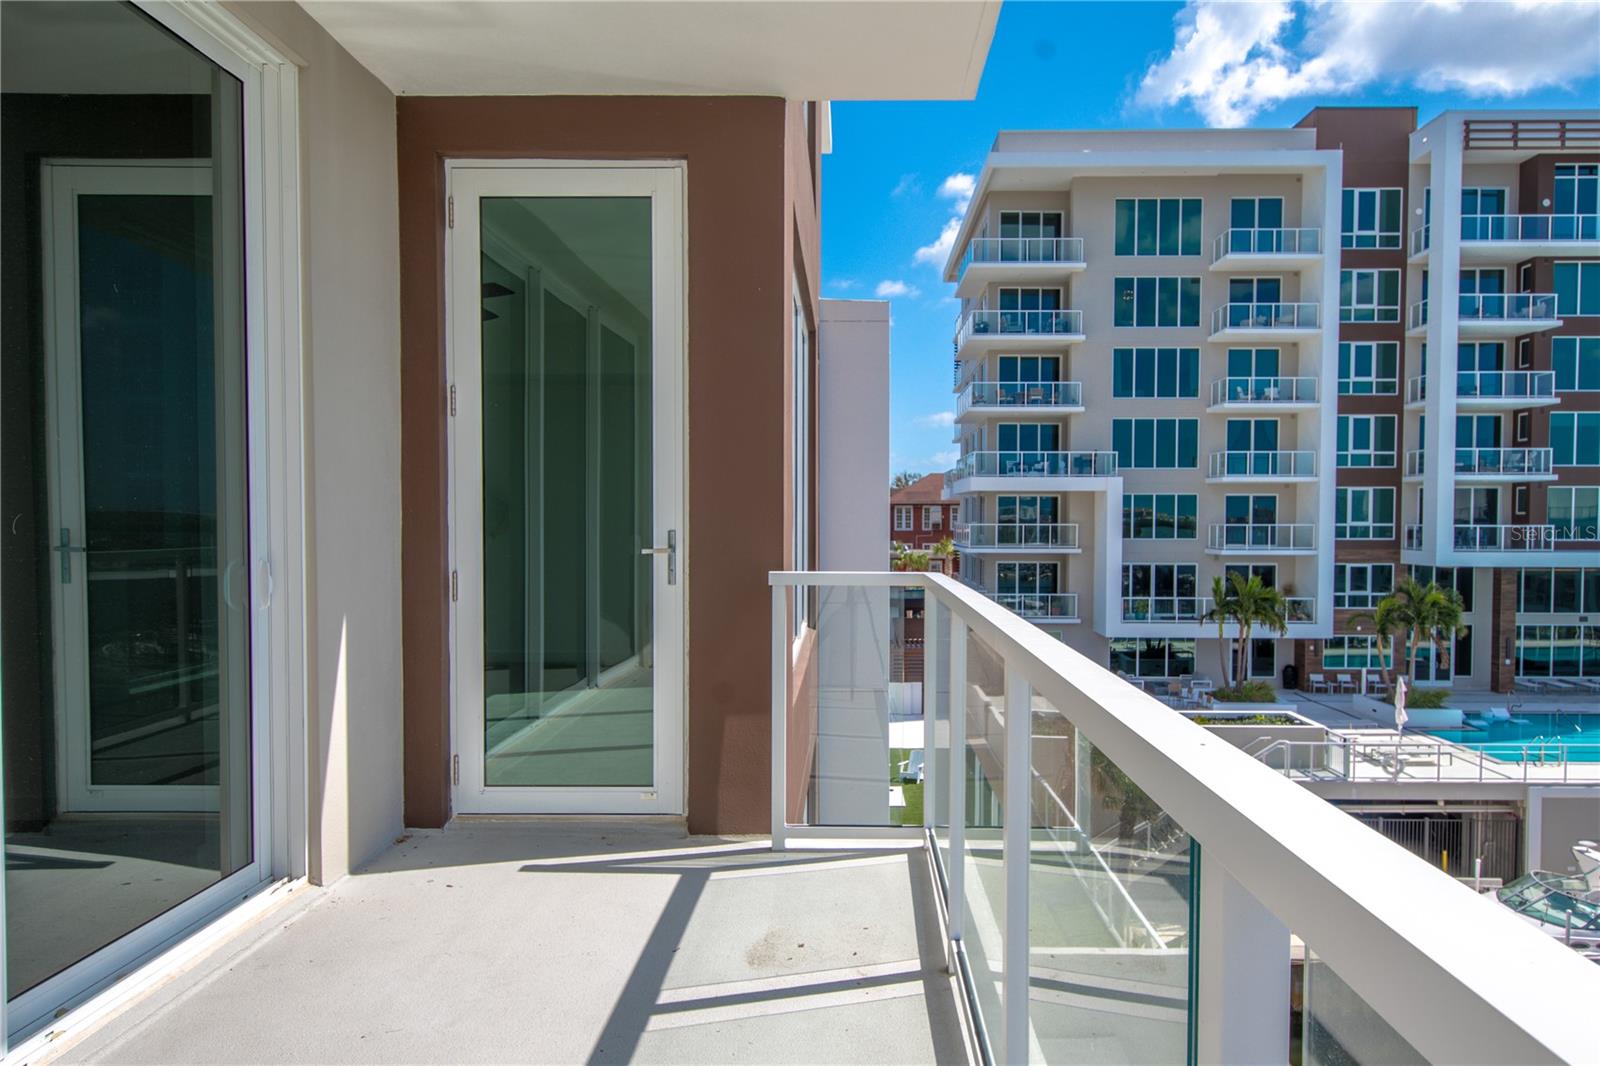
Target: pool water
1503, 737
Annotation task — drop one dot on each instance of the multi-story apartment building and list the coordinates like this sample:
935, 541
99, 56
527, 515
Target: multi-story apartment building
1183, 354
920, 517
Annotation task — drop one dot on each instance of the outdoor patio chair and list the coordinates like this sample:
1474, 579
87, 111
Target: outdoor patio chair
1377, 684
1319, 683
1347, 683
1528, 684
1590, 683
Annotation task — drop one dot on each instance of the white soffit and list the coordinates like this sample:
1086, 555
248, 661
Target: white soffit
800, 49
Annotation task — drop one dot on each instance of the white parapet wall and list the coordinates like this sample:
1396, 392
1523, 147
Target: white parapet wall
853, 435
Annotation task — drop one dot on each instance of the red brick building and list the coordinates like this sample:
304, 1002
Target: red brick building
919, 517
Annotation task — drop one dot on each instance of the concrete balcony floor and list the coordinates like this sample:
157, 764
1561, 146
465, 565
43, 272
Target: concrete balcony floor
571, 941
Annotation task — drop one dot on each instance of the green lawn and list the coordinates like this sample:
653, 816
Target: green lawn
911, 813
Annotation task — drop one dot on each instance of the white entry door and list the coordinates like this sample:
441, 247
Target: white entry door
565, 309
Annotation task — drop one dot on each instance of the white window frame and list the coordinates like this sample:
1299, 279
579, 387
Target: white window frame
903, 517
1371, 493
1376, 459
1381, 386
800, 469
1366, 598
1577, 361
1380, 237
1571, 493
1381, 312
145, 956
932, 516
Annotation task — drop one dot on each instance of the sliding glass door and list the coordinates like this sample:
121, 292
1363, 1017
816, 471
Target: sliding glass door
568, 626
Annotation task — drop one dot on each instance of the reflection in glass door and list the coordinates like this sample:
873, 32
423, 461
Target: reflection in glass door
568, 622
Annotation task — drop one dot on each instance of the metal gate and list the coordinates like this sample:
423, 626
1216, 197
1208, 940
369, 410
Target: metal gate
1453, 840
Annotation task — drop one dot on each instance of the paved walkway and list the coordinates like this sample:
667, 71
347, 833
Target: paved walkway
561, 941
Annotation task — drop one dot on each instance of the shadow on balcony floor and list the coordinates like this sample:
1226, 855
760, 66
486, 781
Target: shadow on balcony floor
547, 941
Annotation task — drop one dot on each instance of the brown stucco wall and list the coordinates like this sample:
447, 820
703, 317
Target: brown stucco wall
751, 227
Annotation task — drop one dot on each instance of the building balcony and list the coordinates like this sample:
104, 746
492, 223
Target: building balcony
1018, 260
1265, 322
1504, 464
1421, 240
1512, 238
1005, 471
1026, 538
1238, 395
981, 398
1255, 538
980, 331
1417, 390
1266, 249
1509, 538
1059, 608
1416, 464
1262, 466
1413, 538
1165, 608
1510, 314
1504, 390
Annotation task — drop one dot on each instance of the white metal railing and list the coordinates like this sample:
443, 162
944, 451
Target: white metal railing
983, 323
1262, 536
1417, 389
1413, 537
1017, 534
1417, 315
1507, 384
1420, 239
1530, 227
1304, 240
1416, 462
1504, 460
1529, 538
1165, 608
1033, 753
1020, 394
1266, 316
1023, 250
1033, 464
1262, 464
1062, 606
1401, 758
1252, 390
1507, 307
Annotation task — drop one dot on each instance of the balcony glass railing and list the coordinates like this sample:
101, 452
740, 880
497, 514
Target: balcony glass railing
1034, 464
1023, 250
1301, 241
1262, 536
1018, 323
1062, 606
1263, 464
1413, 537
1017, 535
1420, 239
1020, 394
1164, 608
1507, 306
1530, 227
1091, 845
1417, 389
1266, 316
1263, 390
1416, 462
1510, 384
1503, 460
1530, 538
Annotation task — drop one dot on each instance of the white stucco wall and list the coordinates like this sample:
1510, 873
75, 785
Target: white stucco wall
350, 274
853, 436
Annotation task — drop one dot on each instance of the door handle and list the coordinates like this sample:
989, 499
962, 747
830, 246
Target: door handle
65, 546
671, 552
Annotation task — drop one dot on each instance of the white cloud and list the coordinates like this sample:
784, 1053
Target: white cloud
958, 187
887, 289
936, 253
843, 284
937, 420
945, 458
907, 183
1231, 61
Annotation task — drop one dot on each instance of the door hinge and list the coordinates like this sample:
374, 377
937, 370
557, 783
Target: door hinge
452, 401
455, 585
450, 211
455, 769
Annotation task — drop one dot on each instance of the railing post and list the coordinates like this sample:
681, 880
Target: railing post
956, 868
930, 703
780, 708
1017, 836
1243, 971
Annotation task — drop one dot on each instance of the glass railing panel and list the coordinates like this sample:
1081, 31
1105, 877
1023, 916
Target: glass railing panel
937, 620
1109, 914
983, 755
1024, 250
1530, 227
845, 768
1023, 394
1339, 1028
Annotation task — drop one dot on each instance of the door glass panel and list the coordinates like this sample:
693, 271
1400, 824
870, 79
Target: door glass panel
567, 492
125, 623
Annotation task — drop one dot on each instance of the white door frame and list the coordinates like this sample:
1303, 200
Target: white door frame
143, 957
467, 182
63, 181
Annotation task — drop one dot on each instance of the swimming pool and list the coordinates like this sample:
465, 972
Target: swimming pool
1504, 738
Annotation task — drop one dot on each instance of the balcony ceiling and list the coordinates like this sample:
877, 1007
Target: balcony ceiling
915, 50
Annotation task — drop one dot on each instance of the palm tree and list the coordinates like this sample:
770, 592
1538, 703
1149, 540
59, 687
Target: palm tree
1421, 612
1247, 603
1220, 611
1390, 616
903, 479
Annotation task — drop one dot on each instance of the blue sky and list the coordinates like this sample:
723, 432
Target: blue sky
1092, 65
